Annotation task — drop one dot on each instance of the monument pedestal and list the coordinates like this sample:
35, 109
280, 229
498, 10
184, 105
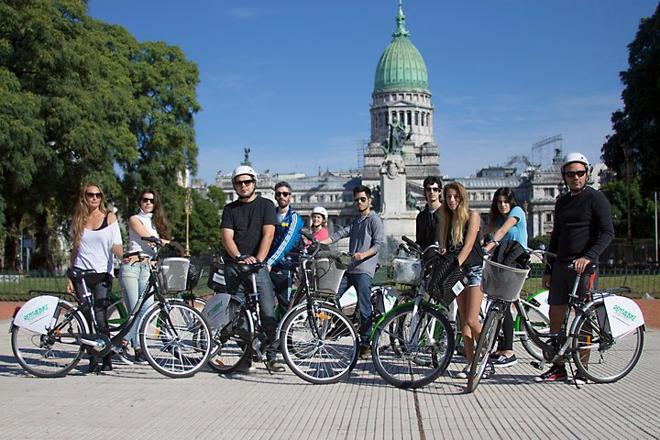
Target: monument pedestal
397, 219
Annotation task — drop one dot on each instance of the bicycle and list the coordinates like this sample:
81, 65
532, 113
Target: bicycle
602, 324
413, 343
49, 335
319, 342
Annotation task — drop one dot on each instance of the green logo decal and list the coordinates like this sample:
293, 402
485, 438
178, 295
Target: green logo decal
34, 314
625, 314
215, 308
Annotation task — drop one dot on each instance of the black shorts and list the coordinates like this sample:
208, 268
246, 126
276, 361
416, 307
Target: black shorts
562, 280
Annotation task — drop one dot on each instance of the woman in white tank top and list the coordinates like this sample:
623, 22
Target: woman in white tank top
96, 237
134, 274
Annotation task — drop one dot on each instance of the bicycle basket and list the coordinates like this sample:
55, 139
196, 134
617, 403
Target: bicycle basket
327, 276
216, 281
174, 273
407, 271
194, 274
502, 282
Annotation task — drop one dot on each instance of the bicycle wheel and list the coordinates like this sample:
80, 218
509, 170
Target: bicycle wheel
598, 355
540, 323
484, 347
230, 345
55, 353
320, 347
175, 339
412, 350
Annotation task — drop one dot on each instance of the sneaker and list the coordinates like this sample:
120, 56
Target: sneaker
554, 374
489, 371
276, 367
121, 357
139, 359
503, 361
464, 373
365, 352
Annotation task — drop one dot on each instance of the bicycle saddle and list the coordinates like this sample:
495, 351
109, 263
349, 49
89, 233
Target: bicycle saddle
245, 268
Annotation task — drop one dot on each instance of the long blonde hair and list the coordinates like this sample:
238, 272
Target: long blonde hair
453, 223
81, 213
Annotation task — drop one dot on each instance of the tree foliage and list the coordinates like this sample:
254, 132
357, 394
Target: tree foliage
641, 209
636, 130
82, 100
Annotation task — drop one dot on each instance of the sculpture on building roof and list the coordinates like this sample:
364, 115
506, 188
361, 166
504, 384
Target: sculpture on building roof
246, 159
399, 133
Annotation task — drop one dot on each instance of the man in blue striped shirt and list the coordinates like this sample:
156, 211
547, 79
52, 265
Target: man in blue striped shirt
287, 235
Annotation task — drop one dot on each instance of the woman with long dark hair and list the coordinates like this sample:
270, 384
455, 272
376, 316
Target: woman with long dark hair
459, 234
150, 221
96, 237
507, 222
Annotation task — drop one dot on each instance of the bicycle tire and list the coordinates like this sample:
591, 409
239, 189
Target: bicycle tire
540, 322
484, 347
231, 351
45, 355
319, 347
592, 336
408, 358
175, 340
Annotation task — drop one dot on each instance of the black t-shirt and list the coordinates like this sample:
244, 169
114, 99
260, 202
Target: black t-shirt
427, 227
582, 227
246, 220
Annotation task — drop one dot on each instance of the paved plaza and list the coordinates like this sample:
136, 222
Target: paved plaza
136, 402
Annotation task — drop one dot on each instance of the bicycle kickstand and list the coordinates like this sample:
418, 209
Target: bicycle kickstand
573, 375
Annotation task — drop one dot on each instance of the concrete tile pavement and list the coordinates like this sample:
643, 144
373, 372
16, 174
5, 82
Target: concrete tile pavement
135, 401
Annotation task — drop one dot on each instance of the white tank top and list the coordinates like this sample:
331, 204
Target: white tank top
135, 242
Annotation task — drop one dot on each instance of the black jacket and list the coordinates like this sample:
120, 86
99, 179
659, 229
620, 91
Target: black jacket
427, 227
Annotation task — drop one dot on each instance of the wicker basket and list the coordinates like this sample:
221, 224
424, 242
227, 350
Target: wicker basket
502, 282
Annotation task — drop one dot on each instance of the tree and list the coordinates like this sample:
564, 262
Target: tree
217, 197
641, 209
636, 130
204, 226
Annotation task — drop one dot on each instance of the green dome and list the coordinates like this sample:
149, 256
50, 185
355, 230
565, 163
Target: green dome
401, 66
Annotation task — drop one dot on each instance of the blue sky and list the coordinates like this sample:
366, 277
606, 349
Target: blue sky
292, 79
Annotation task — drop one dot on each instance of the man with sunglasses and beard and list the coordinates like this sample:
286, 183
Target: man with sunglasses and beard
581, 232
366, 237
287, 235
247, 228
427, 224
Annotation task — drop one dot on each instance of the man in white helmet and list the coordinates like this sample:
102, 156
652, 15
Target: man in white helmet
581, 232
248, 227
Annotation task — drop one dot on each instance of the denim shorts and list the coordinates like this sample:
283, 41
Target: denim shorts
473, 275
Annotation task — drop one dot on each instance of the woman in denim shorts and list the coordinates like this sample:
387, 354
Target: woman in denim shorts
459, 233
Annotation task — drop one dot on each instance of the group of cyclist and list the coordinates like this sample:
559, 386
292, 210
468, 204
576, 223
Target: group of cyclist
256, 231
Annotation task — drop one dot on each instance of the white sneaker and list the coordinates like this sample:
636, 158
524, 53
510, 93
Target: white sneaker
463, 374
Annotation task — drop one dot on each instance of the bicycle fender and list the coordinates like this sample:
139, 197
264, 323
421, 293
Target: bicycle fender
623, 315
37, 314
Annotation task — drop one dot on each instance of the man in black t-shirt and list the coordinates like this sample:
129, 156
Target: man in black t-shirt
581, 232
248, 226
427, 224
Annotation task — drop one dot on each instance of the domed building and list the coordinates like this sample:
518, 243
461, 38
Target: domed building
402, 94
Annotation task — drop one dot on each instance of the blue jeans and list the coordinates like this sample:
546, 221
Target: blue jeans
134, 279
362, 284
237, 284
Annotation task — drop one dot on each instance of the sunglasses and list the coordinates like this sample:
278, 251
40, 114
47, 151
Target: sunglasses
360, 199
571, 174
282, 194
146, 200
433, 189
92, 195
244, 182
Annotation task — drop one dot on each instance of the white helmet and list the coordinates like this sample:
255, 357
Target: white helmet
321, 211
575, 157
244, 169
